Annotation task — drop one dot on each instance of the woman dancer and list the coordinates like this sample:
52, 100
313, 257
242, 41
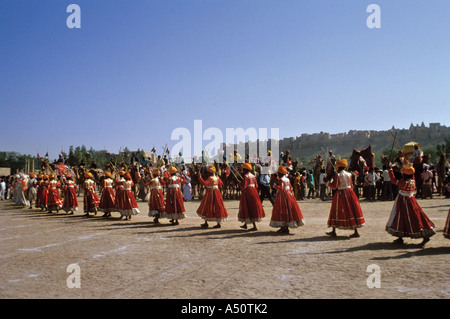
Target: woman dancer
285, 212
407, 218
345, 212
212, 207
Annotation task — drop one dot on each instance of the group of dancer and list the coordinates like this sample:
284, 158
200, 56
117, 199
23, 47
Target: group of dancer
116, 195
407, 219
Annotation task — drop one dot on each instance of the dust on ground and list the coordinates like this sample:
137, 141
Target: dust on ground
138, 259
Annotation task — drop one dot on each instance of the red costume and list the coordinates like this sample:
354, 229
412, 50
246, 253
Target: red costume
38, 191
91, 200
407, 218
70, 196
119, 193
156, 203
130, 206
108, 198
250, 207
345, 212
54, 201
43, 193
212, 207
174, 198
285, 212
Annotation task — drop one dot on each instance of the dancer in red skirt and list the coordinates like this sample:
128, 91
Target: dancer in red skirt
174, 197
108, 198
70, 195
212, 207
285, 212
447, 226
43, 193
118, 184
345, 212
130, 206
250, 207
407, 218
156, 203
91, 200
54, 201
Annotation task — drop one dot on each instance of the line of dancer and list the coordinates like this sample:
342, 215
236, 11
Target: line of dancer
407, 218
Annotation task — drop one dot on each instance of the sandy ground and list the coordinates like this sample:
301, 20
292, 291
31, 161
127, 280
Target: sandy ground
138, 259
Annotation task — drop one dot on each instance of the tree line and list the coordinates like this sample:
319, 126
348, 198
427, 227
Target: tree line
81, 154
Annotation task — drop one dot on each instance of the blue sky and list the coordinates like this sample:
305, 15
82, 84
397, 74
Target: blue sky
136, 70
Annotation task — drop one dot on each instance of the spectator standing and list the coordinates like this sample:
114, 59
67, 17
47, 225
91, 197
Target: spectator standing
387, 185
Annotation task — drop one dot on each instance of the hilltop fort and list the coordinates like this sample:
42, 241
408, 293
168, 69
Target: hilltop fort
306, 146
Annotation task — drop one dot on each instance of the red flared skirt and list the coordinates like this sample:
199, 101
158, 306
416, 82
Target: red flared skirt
54, 201
107, 201
70, 199
285, 211
156, 203
91, 200
407, 219
175, 204
130, 206
119, 198
345, 212
212, 207
42, 196
250, 207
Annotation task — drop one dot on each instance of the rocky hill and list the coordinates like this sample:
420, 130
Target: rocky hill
306, 146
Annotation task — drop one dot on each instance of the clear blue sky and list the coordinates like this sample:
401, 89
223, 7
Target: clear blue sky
136, 70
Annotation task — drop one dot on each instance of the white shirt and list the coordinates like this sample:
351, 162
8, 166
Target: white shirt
386, 176
321, 178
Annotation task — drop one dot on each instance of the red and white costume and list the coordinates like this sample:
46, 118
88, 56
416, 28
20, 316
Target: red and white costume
345, 212
174, 198
212, 207
130, 206
250, 207
119, 192
285, 211
43, 194
70, 196
156, 203
54, 201
91, 200
108, 198
407, 218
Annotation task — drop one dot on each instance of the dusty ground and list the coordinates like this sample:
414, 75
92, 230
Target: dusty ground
137, 259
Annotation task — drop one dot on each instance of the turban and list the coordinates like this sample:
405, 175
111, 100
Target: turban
173, 170
247, 166
408, 170
341, 163
282, 170
127, 176
211, 169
